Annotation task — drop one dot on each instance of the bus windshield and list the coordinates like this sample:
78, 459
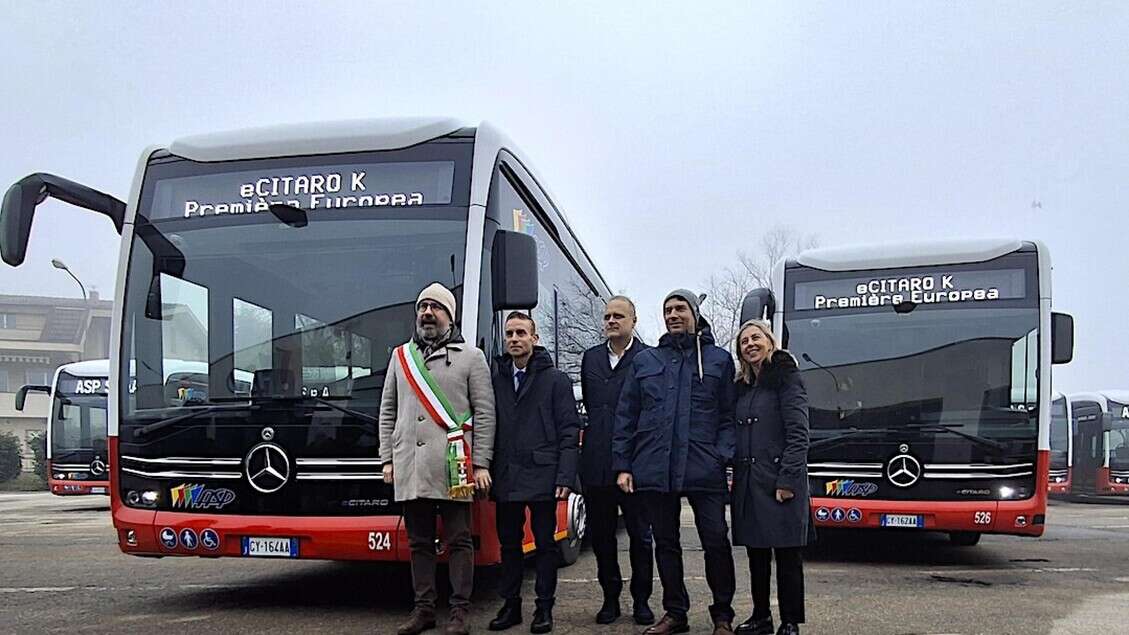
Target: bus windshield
78, 417
1119, 435
968, 369
264, 307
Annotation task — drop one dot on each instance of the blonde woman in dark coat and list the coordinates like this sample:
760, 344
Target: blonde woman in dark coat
771, 508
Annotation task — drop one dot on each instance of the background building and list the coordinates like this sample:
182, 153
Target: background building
37, 335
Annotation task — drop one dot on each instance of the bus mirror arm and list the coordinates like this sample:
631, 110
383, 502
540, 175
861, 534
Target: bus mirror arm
26, 194
21, 394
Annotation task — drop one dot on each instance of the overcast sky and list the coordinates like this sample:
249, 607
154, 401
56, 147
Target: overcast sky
670, 137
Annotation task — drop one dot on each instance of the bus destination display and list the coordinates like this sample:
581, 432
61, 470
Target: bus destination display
931, 288
316, 188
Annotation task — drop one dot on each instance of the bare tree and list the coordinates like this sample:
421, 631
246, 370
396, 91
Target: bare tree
726, 289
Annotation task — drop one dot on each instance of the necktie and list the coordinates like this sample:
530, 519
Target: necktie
519, 378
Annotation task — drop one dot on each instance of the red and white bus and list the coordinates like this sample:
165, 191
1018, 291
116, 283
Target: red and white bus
1062, 447
78, 458
928, 372
293, 255
1101, 442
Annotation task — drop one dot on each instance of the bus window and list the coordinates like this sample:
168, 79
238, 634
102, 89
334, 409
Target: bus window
252, 327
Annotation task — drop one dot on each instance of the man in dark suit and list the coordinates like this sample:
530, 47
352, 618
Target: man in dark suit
603, 370
535, 451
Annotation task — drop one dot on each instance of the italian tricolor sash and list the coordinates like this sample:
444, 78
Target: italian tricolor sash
431, 396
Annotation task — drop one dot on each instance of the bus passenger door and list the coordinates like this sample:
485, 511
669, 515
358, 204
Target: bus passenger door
1088, 447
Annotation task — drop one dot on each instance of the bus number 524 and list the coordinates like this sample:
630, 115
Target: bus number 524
379, 541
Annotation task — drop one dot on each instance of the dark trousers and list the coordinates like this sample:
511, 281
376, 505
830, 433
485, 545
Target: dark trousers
419, 518
510, 522
664, 512
603, 505
789, 582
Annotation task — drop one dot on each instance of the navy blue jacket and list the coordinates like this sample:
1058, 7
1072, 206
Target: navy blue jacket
674, 430
537, 430
602, 385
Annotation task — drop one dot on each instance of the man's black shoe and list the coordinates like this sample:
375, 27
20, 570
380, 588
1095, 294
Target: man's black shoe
643, 614
609, 612
509, 615
788, 629
542, 621
755, 627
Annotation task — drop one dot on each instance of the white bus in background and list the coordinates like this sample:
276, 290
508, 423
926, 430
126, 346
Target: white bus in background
1062, 446
77, 454
1101, 443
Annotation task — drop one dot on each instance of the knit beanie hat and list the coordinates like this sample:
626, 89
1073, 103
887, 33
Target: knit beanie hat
441, 295
691, 298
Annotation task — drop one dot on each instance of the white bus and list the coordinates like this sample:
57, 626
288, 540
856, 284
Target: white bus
294, 254
928, 373
77, 454
1101, 442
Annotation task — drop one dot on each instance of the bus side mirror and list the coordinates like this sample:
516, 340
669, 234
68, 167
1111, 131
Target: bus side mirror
759, 304
21, 394
1062, 338
26, 194
513, 269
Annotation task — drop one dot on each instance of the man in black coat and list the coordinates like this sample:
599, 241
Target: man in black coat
602, 371
535, 454
674, 437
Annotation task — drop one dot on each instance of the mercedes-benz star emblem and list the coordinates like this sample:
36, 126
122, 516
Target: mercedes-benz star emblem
97, 467
267, 468
268, 434
903, 470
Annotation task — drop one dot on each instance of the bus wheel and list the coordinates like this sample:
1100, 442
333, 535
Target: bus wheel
964, 538
577, 517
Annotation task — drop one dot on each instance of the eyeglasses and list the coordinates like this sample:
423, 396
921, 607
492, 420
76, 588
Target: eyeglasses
428, 305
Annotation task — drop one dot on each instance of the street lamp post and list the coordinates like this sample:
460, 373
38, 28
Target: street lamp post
59, 264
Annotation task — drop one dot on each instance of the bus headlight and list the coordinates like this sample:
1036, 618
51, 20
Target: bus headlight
143, 498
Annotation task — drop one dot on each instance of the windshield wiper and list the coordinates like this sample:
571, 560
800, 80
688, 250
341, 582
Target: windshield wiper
947, 427
299, 399
850, 433
164, 423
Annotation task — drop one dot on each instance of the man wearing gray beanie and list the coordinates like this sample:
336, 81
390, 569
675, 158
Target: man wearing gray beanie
436, 443
675, 433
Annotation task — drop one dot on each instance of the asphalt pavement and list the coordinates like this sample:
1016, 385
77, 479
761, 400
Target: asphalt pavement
61, 571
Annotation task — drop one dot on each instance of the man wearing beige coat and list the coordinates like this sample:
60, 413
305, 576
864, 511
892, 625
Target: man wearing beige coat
436, 442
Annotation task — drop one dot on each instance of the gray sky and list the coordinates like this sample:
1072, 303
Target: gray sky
671, 137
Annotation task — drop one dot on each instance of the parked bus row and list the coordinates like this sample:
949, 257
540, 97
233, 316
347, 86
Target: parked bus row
287, 260
1090, 444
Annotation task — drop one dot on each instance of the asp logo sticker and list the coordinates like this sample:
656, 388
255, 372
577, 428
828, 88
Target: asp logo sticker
850, 487
200, 497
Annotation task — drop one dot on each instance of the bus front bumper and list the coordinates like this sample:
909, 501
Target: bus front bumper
1023, 518
148, 533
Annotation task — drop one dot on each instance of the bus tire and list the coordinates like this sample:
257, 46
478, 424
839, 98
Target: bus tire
964, 538
577, 517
